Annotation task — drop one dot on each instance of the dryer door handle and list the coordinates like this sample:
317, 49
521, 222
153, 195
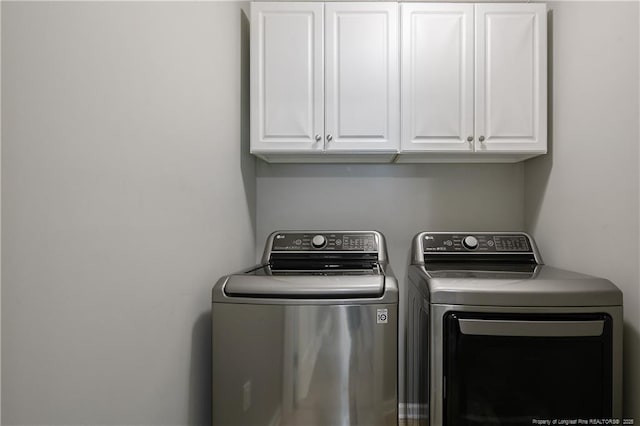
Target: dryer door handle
480, 327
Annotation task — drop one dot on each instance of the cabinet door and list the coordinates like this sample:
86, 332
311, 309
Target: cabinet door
437, 77
287, 79
511, 77
362, 107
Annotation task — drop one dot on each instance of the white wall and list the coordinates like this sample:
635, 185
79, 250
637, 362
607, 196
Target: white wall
125, 196
581, 200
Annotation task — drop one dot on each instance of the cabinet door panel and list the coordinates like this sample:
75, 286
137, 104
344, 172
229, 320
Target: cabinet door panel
437, 77
362, 86
511, 69
287, 88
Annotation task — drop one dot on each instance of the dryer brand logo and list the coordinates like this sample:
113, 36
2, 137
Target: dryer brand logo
429, 237
279, 237
383, 316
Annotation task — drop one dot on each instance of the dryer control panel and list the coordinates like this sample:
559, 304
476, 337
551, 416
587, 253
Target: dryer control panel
437, 242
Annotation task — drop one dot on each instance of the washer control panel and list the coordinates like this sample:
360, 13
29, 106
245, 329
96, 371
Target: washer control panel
481, 243
333, 241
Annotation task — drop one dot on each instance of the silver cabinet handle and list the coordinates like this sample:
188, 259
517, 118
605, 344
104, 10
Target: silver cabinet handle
318, 138
481, 138
329, 138
469, 138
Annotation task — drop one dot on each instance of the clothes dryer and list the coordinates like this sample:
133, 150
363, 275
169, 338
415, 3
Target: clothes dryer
495, 337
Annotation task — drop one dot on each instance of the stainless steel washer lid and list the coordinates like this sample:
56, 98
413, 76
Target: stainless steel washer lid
546, 286
258, 286
315, 267
308, 287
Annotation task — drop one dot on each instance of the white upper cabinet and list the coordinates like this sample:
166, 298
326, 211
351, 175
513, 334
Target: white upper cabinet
324, 80
359, 82
287, 79
362, 66
511, 77
474, 82
437, 77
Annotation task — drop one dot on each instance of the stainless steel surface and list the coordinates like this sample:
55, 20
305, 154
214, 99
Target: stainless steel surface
436, 344
294, 347
304, 365
415, 406
484, 327
546, 286
259, 276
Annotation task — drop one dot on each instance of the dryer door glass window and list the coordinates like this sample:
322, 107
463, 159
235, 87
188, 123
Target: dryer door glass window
512, 369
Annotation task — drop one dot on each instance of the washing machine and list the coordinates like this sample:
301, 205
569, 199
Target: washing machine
309, 336
495, 337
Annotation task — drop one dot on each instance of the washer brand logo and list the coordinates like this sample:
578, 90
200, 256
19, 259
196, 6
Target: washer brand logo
279, 236
383, 316
429, 237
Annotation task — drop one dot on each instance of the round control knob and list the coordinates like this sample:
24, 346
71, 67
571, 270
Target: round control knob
470, 242
318, 241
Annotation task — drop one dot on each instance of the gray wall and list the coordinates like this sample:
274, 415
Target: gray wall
125, 196
0, 210
581, 200
397, 199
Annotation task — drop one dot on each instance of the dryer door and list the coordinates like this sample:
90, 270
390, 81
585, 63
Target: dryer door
512, 369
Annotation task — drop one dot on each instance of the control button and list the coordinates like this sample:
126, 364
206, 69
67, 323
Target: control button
318, 241
470, 242
338, 242
490, 243
298, 242
448, 243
